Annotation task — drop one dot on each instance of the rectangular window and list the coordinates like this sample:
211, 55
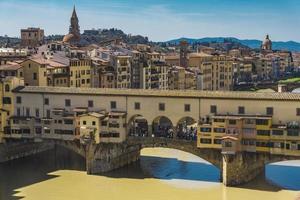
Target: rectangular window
37, 112
269, 111
241, 110
6, 100
94, 123
46, 101
19, 100
219, 130
68, 121
67, 102
205, 141
18, 112
113, 105
90, 103
161, 107
262, 122
263, 132
213, 109
205, 129
187, 107
34, 76
232, 122
84, 122
48, 113
217, 141
298, 111
277, 132
27, 112
137, 106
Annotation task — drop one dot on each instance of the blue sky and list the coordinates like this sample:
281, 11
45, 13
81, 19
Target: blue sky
160, 20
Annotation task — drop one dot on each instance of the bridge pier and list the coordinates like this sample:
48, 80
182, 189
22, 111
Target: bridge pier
241, 167
105, 157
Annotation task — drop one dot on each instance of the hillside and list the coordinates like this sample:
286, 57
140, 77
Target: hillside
290, 45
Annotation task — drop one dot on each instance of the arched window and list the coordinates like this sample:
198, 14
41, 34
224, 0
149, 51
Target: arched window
6, 88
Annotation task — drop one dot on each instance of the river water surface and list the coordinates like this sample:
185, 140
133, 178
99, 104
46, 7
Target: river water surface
161, 174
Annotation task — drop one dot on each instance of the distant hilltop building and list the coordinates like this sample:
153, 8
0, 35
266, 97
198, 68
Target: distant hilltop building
32, 37
74, 31
267, 44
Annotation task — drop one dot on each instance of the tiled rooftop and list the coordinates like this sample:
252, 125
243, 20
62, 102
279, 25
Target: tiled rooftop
160, 93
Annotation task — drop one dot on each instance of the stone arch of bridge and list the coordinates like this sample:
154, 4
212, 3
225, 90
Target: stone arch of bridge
163, 126
186, 128
138, 126
213, 156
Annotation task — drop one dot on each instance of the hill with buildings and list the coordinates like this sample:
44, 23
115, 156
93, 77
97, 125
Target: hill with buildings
254, 44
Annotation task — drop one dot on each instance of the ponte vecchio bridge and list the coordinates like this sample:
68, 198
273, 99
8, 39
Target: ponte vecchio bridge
239, 132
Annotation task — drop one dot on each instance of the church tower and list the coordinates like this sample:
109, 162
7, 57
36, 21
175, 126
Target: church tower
74, 30
74, 27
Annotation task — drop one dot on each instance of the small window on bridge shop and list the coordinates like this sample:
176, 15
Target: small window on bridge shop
46, 101
227, 144
241, 110
205, 141
6, 100
84, 122
187, 107
137, 105
48, 113
219, 120
90, 103
37, 112
298, 146
287, 146
94, 123
68, 121
161, 107
19, 100
38, 130
249, 121
27, 112
113, 105
278, 145
292, 132
262, 122
7, 88
263, 132
217, 141
213, 109
298, 111
104, 123
26, 131
205, 129
67, 102
269, 111
219, 130
232, 122
277, 132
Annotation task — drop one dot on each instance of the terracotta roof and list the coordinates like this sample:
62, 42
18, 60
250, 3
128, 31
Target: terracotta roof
10, 67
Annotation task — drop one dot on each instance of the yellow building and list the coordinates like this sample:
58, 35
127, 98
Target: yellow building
7, 105
35, 72
80, 73
251, 133
122, 67
216, 70
90, 126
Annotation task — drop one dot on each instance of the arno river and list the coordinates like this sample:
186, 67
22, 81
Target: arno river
161, 174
